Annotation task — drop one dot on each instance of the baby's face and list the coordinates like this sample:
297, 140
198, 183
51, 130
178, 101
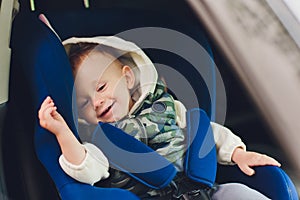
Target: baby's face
102, 87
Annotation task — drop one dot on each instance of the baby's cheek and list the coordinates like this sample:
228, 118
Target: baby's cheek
90, 116
119, 111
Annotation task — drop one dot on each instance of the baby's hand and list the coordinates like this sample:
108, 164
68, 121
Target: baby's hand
50, 119
247, 159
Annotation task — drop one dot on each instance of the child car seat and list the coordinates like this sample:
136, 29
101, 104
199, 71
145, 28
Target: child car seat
39, 59
38, 76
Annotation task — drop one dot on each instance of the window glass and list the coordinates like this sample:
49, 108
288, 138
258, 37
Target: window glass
294, 6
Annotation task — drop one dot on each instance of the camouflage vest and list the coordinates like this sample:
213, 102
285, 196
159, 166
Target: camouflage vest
154, 123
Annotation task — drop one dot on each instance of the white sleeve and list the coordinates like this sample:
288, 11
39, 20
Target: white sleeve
226, 142
92, 169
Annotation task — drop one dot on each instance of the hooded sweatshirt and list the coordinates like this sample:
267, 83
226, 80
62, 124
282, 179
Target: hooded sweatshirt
155, 118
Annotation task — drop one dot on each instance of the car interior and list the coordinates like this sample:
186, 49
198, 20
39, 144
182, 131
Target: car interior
28, 152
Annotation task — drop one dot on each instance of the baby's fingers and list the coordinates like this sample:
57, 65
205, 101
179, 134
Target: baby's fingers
247, 170
49, 111
47, 101
45, 105
267, 160
46, 110
46, 117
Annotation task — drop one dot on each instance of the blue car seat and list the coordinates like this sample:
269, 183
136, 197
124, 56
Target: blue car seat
40, 67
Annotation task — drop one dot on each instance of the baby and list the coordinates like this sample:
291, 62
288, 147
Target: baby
117, 83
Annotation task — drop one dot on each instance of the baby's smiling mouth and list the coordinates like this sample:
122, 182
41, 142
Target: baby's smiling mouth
106, 110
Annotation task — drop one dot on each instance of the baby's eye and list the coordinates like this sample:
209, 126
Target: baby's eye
100, 87
83, 104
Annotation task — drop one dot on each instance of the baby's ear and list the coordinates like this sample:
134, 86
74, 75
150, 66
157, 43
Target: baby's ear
129, 75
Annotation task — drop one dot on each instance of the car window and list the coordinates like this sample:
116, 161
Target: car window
260, 39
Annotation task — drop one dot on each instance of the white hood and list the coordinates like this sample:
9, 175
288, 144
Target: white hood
147, 75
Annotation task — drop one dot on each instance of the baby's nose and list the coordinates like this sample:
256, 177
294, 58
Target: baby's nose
98, 102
